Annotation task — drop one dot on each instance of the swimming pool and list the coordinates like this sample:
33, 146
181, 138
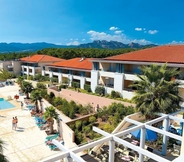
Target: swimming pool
5, 104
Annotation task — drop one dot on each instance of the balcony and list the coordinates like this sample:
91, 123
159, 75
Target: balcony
130, 77
10, 66
10, 69
55, 73
128, 93
76, 77
106, 74
88, 79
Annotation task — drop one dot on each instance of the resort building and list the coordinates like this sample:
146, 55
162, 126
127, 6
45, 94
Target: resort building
118, 72
73, 70
36, 64
13, 67
113, 73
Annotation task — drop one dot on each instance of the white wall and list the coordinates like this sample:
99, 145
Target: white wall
94, 80
118, 82
128, 94
82, 82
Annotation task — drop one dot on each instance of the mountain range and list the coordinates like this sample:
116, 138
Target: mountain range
33, 47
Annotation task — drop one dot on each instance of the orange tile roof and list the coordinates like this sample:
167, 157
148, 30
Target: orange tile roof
41, 58
162, 54
75, 63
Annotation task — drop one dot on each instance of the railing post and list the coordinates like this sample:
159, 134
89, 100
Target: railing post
142, 143
111, 150
165, 138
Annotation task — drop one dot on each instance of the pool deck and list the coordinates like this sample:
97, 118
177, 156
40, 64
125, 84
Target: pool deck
26, 144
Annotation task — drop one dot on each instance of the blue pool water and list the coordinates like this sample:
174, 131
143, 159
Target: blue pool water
5, 104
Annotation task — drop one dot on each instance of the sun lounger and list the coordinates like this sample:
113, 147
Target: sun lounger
52, 147
48, 138
30, 107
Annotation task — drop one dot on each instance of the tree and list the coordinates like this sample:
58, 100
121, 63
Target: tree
4, 74
41, 86
2, 157
35, 97
27, 88
156, 91
20, 79
50, 114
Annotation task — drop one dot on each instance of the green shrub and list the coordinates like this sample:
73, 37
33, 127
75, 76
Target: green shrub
115, 94
78, 124
72, 113
79, 137
108, 128
65, 110
86, 129
41, 86
30, 77
57, 101
87, 87
62, 86
100, 90
92, 119
44, 93
54, 80
72, 126
75, 85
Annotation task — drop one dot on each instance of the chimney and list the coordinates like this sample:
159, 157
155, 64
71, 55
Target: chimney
83, 58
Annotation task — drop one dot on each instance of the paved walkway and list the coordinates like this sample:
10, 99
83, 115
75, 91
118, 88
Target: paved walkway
26, 144
82, 98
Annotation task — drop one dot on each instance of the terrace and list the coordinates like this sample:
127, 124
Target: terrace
123, 149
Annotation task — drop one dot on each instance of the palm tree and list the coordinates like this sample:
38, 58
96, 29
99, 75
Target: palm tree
4, 74
20, 79
35, 97
2, 157
156, 91
27, 88
50, 114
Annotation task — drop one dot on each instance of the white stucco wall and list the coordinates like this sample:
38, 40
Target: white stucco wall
94, 80
118, 82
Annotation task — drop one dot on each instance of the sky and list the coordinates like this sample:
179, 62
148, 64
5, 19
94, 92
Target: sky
74, 22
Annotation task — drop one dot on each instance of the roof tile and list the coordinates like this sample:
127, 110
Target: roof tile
161, 54
76, 63
41, 58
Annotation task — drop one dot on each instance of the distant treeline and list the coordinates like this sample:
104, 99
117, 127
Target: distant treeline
14, 55
68, 53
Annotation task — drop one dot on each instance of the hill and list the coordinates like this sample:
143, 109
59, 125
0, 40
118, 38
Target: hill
113, 45
33, 47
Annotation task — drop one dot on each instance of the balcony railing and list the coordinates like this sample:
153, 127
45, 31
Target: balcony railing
10, 66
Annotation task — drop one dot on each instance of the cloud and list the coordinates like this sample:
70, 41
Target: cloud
152, 31
141, 41
104, 36
113, 28
118, 32
176, 42
73, 43
147, 31
83, 40
138, 29
94, 35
